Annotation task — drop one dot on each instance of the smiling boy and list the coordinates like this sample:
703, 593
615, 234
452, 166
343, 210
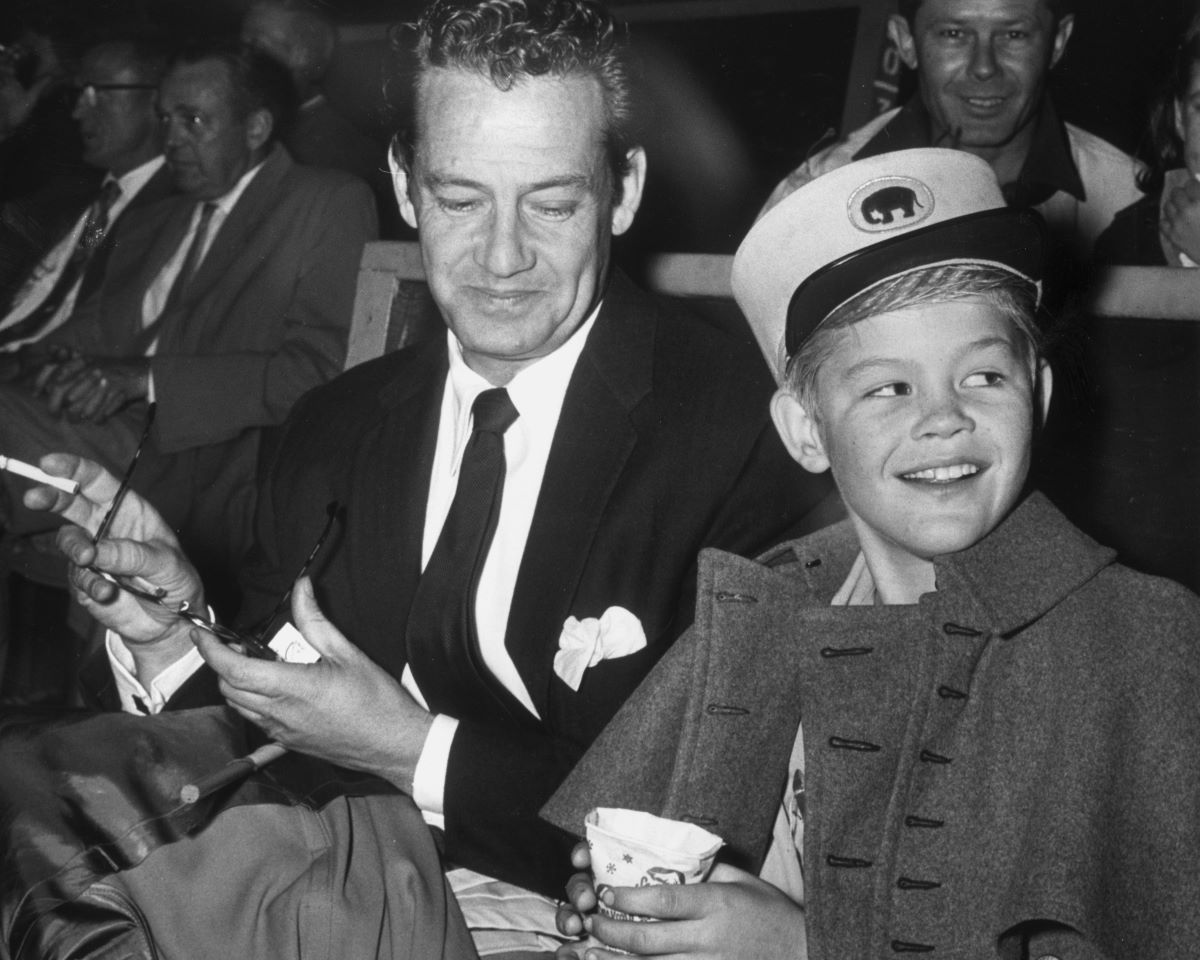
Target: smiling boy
982, 727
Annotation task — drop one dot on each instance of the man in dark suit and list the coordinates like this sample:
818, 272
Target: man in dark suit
223, 309
114, 109
524, 498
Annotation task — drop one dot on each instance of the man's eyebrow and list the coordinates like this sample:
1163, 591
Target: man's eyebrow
436, 180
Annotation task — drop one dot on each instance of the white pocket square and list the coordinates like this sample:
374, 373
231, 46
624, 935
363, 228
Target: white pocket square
584, 643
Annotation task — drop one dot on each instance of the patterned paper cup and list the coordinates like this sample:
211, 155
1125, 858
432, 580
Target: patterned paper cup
634, 849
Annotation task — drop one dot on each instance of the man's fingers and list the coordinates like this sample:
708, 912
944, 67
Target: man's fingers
315, 627
97, 487
93, 401
76, 545
133, 558
82, 389
92, 586
264, 679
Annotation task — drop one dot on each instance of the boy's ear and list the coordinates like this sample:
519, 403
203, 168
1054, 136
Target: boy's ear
799, 432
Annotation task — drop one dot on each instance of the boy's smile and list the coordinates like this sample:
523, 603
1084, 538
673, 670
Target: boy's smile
925, 418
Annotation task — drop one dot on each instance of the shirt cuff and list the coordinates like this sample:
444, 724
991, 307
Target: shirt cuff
151, 393
429, 778
135, 698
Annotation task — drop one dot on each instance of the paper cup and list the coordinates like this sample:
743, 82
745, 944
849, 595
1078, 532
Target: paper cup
634, 849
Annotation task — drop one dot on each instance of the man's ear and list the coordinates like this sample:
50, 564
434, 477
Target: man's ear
1066, 23
400, 186
259, 125
799, 432
901, 35
631, 191
1043, 387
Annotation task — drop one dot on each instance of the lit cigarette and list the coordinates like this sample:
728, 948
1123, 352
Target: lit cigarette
41, 476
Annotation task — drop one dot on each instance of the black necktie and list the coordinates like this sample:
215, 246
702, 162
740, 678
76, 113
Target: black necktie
95, 225
442, 639
187, 270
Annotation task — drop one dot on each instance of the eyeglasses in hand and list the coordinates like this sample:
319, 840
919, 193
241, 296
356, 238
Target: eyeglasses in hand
254, 644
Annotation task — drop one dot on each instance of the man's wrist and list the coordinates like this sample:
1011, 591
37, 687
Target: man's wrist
429, 774
153, 657
146, 694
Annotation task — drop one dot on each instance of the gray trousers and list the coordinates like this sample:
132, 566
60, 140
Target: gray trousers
359, 878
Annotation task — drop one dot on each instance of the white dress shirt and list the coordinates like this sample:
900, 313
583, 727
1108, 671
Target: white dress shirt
500, 915
45, 275
156, 296
537, 392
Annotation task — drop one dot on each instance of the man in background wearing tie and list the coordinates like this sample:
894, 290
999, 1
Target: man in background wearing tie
114, 108
223, 311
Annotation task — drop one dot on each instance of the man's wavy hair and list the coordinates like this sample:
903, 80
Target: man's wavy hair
508, 41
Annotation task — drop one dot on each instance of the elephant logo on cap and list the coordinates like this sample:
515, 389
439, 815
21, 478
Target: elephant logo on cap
883, 205
890, 203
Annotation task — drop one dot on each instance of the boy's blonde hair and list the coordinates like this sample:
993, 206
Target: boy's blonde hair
1013, 296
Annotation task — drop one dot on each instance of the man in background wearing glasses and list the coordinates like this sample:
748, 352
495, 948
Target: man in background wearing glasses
114, 109
223, 310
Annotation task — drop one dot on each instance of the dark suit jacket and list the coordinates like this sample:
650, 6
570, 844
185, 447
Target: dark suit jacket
264, 320
154, 192
663, 447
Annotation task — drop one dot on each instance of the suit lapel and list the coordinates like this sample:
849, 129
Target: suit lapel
225, 255
158, 187
389, 484
593, 440
150, 242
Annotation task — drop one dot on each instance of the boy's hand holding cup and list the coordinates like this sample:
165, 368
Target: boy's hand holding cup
629, 848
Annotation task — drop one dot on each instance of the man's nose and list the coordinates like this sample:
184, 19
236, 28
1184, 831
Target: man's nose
172, 133
81, 105
983, 65
506, 249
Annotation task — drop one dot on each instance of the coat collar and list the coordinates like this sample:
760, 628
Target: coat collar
1025, 567
258, 201
389, 483
1022, 569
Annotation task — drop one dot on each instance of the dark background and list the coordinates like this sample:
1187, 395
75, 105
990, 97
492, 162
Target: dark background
730, 103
